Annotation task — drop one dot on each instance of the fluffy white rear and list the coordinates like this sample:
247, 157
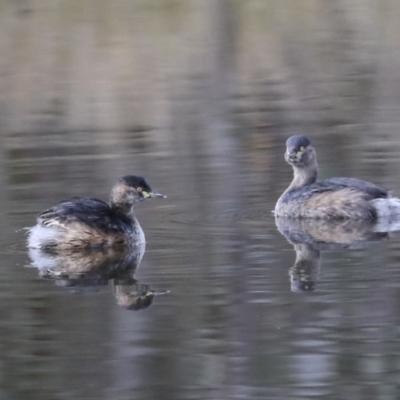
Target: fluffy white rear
40, 235
387, 207
41, 260
388, 214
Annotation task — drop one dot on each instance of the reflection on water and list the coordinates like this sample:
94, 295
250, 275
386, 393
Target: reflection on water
199, 97
86, 270
310, 237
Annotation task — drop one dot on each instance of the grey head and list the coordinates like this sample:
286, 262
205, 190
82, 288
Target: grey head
299, 152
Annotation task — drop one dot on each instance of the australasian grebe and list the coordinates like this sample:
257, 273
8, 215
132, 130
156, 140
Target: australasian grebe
93, 224
335, 198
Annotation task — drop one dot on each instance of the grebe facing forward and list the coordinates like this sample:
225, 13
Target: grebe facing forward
335, 198
85, 223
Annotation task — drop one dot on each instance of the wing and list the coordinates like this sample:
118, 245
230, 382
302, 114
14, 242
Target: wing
92, 212
365, 190
343, 202
370, 189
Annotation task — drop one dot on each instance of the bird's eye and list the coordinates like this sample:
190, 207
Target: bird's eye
139, 189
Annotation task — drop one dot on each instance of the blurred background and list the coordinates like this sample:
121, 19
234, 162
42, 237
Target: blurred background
199, 97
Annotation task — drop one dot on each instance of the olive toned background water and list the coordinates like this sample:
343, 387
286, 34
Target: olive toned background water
199, 97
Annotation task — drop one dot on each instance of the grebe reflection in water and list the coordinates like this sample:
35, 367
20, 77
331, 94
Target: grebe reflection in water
310, 237
335, 198
88, 270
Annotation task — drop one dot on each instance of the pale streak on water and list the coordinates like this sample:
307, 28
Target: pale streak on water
230, 326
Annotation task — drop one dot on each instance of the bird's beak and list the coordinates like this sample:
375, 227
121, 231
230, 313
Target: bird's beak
292, 156
153, 194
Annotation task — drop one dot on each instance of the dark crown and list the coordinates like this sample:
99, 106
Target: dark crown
297, 141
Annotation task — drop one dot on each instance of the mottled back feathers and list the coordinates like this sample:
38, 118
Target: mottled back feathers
92, 212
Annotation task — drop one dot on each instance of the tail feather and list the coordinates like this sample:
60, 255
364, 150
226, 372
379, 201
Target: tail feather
388, 211
387, 207
40, 236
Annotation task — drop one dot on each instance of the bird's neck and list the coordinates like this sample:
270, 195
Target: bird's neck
123, 209
303, 176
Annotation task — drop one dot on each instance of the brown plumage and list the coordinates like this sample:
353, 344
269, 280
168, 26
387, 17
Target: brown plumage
339, 203
89, 223
335, 198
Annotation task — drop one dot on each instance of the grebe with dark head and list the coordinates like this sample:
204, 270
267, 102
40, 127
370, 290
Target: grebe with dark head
86, 223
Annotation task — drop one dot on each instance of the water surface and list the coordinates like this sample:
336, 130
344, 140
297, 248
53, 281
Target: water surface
199, 97
230, 326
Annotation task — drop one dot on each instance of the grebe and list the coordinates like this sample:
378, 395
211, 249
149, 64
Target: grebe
335, 198
93, 224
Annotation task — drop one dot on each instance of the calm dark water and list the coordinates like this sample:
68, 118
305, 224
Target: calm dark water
230, 326
199, 97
